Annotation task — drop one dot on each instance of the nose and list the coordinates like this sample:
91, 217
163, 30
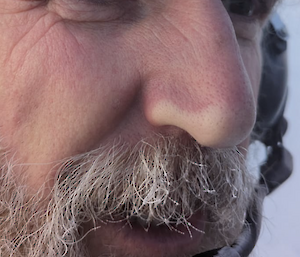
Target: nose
195, 78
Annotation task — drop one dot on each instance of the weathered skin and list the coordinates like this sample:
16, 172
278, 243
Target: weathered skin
77, 75
68, 86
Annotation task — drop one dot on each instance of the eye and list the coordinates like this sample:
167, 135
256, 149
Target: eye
247, 8
97, 10
100, 2
87, 10
248, 17
240, 7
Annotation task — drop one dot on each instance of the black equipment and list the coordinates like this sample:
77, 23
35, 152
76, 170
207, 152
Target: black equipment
269, 129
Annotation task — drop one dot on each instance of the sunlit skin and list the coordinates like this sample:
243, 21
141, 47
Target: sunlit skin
76, 75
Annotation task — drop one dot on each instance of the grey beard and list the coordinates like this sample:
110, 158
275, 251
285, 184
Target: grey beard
162, 183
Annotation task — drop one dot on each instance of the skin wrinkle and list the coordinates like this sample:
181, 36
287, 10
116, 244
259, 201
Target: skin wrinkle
29, 34
185, 40
87, 157
185, 103
20, 6
32, 108
205, 27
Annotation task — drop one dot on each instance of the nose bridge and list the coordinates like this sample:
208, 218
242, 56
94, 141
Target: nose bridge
193, 32
196, 79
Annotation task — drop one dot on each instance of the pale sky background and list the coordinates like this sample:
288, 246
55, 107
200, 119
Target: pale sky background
281, 229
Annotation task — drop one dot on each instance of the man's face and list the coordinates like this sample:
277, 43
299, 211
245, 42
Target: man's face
125, 116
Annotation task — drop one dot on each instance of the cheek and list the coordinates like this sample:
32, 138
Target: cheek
67, 87
252, 58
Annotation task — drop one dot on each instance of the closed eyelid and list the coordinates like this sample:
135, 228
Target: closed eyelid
120, 11
100, 2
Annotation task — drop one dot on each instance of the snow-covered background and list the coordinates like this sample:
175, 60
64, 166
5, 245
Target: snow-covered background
281, 229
